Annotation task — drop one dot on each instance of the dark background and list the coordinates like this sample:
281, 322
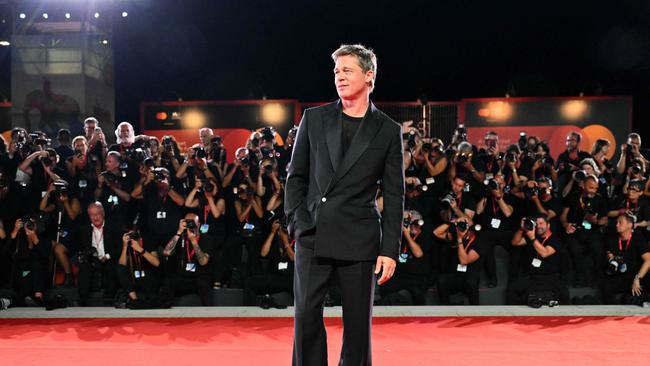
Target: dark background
442, 50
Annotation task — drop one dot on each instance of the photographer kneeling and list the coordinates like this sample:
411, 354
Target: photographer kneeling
629, 261
278, 254
465, 271
137, 269
542, 254
189, 265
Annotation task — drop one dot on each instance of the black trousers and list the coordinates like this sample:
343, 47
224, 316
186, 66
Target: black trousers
311, 278
179, 284
415, 284
270, 283
517, 292
149, 284
492, 238
621, 284
451, 283
108, 274
590, 241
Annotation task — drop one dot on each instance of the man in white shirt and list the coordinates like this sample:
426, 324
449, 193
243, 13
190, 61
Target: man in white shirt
99, 245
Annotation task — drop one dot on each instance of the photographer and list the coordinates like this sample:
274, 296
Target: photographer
38, 170
64, 150
239, 171
58, 200
125, 137
436, 165
587, 167
113, 190
634, 203
285, 154
98, 253
542, 164
208, 203
413, 265
30, 253
541, 262
161, 204
97, 146
169, 155
514, 168
247, 236
467, 164
494, 211
583, 216
278, 255
538, 199
137, 269
268, 180
457, 204
83, 171
464, 266
628, 259
490, 156
569, 160
196, 165
189, 255
631, 150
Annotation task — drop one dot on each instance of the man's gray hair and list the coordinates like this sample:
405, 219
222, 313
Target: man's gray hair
366, 57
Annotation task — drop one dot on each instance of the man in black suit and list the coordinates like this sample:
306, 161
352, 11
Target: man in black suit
343, 153
99, 252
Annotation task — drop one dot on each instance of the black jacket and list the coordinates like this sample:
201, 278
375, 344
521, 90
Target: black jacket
336, 194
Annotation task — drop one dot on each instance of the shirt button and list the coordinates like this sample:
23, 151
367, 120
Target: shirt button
324, 199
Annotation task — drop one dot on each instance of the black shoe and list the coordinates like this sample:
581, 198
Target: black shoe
267, 302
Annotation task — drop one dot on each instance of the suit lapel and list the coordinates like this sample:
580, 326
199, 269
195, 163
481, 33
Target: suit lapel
364, 135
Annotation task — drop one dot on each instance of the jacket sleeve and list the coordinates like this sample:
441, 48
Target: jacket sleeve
393, 190
297, 184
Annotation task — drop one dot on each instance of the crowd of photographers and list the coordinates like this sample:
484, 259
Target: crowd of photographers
147, 222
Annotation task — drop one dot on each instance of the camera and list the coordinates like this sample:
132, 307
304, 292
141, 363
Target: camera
207, 186
160, 174
60, 188
40, 141
461, 226
109, 177
190, 224
528, 223
491, 185
523, 141
29, 223
446, 200
47, 161
134, 235
531, 191
89, 255
461, 133
198, 152
463, 157
616, 265
78, 153
136, 155
410, 139
580, 176
416, 187
511, 157
408, 222
637, 168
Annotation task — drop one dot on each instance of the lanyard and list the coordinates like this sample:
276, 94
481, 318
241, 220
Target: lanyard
627, 245
136, 258
490, 164
495, 207
627, 205
190, 255
470, 242
406, 247
206, 208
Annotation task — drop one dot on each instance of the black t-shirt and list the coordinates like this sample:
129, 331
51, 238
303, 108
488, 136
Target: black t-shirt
349, 127
471, 243
579, 206
547, 266
465, 201
408, 263
564, 161
278, 260
631, 251
161, 214
185, 254
137, 262
493, 217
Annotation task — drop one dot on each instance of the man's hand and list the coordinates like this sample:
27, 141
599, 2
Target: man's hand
636, 287
386, 266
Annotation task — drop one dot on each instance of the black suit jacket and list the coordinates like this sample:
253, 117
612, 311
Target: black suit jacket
336, 194
112, 240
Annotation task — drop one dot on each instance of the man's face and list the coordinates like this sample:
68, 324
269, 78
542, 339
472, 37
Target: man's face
112, 163
96, 215
542, 227
90, 128
349, 78
80, 145
543, 188
634, 141
590, 187
633, 193
492, 143
571, 142
622, 225
457, 186
588, 168
125, 132
205, 136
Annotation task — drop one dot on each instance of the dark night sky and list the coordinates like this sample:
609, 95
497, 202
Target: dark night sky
446, 50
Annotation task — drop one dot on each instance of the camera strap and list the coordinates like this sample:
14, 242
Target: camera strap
543, 242
405, 247
190, 255
137, 261
206, 209
495, 207
466, 246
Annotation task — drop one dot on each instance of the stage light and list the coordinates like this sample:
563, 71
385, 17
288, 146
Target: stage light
161, 116
273, 113
5, 43
125, 14
193, 119
22, 16
96, 15
67, 15
104, 41
497, 111
45, 16
574, 110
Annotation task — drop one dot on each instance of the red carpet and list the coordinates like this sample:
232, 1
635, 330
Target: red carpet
267, 341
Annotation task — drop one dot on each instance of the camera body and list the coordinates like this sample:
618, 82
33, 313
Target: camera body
190, 224
446, 200
408, 222
109, 177
616, 265
529, 223
531, 191
491, 185
461, 226
134, 235
463, 157
198, 152
29, 223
